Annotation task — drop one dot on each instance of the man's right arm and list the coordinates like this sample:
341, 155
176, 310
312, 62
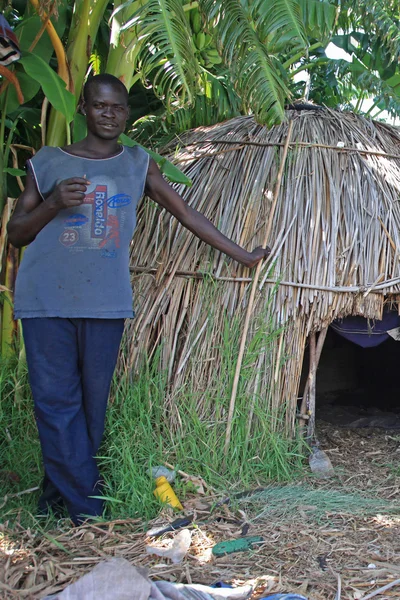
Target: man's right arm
32, 213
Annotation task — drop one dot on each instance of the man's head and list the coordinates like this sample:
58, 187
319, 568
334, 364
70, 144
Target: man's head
105, 79
105, 106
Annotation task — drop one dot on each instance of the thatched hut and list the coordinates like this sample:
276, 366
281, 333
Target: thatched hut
335, 239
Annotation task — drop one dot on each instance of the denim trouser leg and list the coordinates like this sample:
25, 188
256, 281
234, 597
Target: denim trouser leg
70, 364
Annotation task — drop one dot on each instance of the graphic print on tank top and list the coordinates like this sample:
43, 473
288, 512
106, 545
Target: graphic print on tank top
97, 223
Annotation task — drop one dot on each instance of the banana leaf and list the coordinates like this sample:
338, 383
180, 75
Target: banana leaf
53, 86
166, 167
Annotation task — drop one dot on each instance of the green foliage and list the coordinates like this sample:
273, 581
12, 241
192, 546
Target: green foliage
26, 29
139, 432
14, 172
165, 50
318, 18
19, 444
53, 86
172, 172
369, 32
279, 17
256, 75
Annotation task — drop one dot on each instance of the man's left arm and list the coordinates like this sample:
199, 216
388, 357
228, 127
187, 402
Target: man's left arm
162, 193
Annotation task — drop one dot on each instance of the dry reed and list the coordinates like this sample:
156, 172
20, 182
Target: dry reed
335, 245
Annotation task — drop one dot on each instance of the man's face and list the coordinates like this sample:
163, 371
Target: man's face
106, 112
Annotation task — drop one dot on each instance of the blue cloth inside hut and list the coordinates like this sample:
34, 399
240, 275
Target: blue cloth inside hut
367, 333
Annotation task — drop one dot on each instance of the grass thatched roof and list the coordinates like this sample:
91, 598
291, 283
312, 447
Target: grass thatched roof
335, 244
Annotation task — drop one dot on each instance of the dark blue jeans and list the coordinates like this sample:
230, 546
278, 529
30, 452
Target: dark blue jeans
71, 363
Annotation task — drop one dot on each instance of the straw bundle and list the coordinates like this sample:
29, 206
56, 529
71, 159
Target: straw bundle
335, 243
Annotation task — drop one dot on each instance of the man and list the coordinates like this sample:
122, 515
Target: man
77, 216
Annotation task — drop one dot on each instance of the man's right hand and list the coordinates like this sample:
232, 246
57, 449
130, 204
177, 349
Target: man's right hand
31, 214
68, 193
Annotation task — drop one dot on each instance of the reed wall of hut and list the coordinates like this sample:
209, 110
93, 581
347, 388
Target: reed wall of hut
335, 243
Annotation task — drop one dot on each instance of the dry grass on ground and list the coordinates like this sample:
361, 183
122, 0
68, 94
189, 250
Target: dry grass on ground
308, 547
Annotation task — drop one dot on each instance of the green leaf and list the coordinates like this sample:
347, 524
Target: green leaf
344, 42
30, 26
172, 172
280, 17
256, 74
318, 17
79, 129
393, 81
53, 86
29, 88
165, 51
14, 172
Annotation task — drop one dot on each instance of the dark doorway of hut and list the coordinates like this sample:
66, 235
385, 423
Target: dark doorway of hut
355, 387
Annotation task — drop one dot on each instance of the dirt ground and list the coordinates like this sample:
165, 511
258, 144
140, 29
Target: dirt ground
336, 555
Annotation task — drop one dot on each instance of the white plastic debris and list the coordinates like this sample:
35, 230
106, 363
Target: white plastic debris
177, 552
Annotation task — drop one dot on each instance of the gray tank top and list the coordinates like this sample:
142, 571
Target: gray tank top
78, 265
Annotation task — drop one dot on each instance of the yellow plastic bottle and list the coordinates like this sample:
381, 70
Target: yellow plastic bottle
166, 494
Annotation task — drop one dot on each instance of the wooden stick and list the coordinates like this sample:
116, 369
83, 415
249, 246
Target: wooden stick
339, 583
24, 147
354, 289
301, 144
391, 242
208, 154
252, 295
29, 491
311, 386
15, 165
320, 345
5, 217
43, 119
8, 496
381, 589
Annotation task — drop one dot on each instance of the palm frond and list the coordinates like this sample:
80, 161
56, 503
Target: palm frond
279, 17
218, 102
257, 77
165, 51
318, 17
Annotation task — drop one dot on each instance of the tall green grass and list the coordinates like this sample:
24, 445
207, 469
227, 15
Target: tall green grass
138, 437
142, 433
138, 433
20, 457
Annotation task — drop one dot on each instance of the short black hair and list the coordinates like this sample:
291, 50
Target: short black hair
103, 79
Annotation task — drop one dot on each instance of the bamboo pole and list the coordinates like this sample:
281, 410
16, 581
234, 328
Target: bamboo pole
355, 289
252, 294
320, 345
311, 386
344, 149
